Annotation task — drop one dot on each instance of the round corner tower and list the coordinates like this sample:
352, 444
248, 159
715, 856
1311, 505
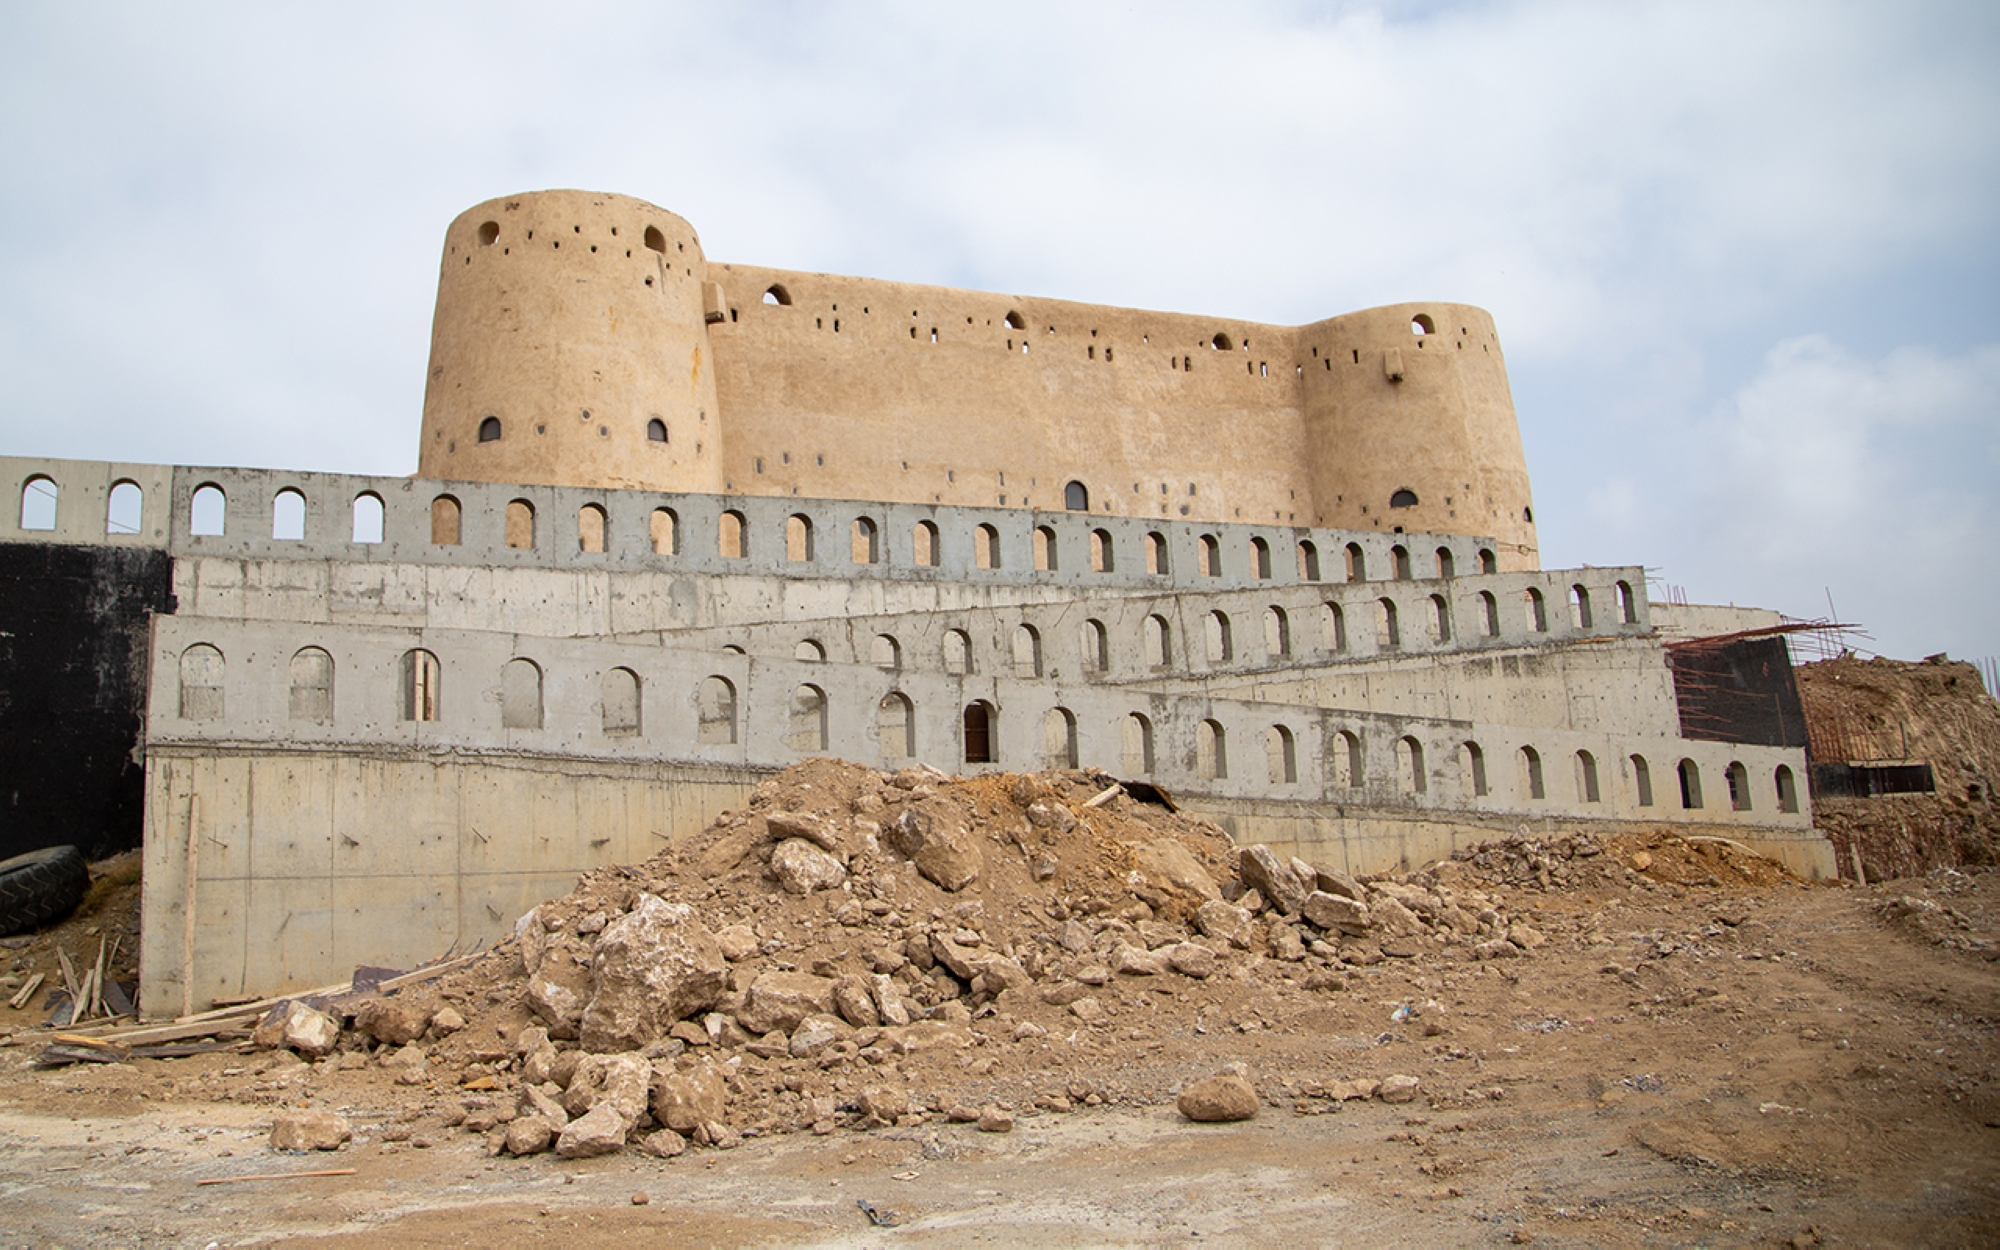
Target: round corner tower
1410, 426
570, 347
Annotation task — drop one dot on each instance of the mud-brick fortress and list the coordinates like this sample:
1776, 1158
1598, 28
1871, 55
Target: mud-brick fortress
679, 524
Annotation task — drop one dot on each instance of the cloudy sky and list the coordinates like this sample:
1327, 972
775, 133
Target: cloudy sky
1742, 256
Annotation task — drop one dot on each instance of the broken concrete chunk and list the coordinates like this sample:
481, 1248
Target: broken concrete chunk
293, 1024
803, 868
653, 966
942, 850
1261, 871
1334, 911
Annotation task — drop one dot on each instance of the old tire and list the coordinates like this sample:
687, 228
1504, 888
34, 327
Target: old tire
41, 886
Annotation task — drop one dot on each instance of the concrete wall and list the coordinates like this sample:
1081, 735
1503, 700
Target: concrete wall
780, 383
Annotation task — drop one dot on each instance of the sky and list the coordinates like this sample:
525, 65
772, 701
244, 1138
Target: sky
1744, 258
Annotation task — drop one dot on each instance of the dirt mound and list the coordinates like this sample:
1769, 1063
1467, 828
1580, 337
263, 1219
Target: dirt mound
1935, 712
1576, 861
857, 949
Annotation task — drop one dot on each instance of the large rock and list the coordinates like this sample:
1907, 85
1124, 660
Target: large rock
802, 868
855, 1004
599, 1132
391, 1021
1219, 1099
1135, 961
309, 1130
889, 1002
1166, 862
1332, 911
779, 1000
558, 968
293, 1024
738, 942
1398, 1089
653, 966
943, 850
816, 1033
1192, 959
964, 962
684, 1101
1339, 883
538, 1055
1225, 922
1262, 871
802, 825
530, 1135
621, 1082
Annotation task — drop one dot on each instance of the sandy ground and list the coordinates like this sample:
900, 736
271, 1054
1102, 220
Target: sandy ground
1711, 1066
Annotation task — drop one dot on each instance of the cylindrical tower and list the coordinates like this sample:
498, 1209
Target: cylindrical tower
570, 347
1410, 425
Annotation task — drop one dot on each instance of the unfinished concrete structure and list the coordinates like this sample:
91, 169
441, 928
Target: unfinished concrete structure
384, 716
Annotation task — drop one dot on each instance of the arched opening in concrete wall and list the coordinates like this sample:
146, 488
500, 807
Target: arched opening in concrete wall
1388, 632
208, 510
957, 653
663, 528
618, 697
799, 538
1281, 756
489, 233
1421, 324
446, 518
1738, 778
777, 296
310, 699
896, 726
1642, 781
865, 543
1344, 754
1357, 563
806, 728
521, 694
521, 524
489, 430
980, 727
1260, 558
1579, 603
1308, 561
1334, 625
1489, 613
655, 241
924, 550
1135, 746
1472, 770
1277, 633
1045, 549
1399, 559
592, 529
1440, 620
885, 653
1788, 789
420, 679
1014, 321
1404, 498
1158, 642
1531, 773
1095, 645
125, 511
656, 431
1221, 647
1211, 556
1027, 649
201, 683
809, 651
1586, 777
368, 516
288, 515
732, 536
1058, 738
1156, 554
1445, 566
1221, 343
1489, 563
1538, 611
1076, 497
985, 547
1211, 750
715, 712
1410, 765
1628, 605
1103, 559
1690, 775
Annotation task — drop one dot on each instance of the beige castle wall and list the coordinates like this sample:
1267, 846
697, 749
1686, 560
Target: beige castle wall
867, 389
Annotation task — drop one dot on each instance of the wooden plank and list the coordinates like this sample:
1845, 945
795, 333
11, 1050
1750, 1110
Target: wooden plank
187, 911
27, 992
276, 1176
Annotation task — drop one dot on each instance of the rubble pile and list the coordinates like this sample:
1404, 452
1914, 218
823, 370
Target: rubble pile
857, 949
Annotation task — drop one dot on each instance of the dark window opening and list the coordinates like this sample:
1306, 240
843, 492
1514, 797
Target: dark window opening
656, 431
489, 430
1076, 497
1403, 499
655, 241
